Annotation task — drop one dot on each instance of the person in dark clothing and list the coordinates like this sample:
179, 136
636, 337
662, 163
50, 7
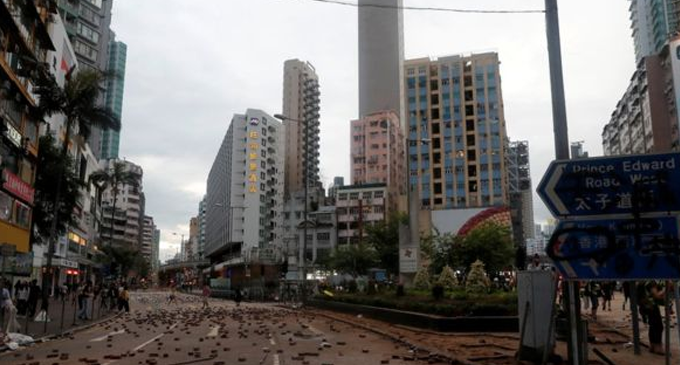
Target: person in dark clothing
33, 296
607, 295
626, 293
655, 293
238, 296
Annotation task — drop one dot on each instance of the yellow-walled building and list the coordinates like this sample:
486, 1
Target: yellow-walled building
24, 42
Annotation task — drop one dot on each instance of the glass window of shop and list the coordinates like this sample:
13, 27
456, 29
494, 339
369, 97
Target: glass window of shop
10, 158
5, 207
14, 211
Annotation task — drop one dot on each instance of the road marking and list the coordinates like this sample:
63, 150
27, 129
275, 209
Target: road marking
316, 331
276, 359
152, 340
213, 332
102, 338
271, 340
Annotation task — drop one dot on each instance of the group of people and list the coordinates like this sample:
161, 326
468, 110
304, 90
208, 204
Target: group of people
26, 295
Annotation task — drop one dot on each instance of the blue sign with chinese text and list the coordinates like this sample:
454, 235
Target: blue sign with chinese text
606, 249
611, 185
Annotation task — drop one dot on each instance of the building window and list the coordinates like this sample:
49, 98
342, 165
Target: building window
86, 51
323, 236
342, 196
353, 196
379, 194
87, 32
23, 215
5, 207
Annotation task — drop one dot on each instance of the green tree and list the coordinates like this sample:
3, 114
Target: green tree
422, 280
51, 163
491, 243
353, 260
447, 278
122, 259
477, 281
115, 177
439, 250
383, 237
79, 104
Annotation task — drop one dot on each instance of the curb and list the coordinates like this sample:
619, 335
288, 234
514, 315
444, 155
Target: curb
4, 350
432, 352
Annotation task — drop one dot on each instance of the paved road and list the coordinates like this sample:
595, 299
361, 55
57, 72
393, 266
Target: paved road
183, 333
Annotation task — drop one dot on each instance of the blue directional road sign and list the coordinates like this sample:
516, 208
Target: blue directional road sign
611, 185
606, 249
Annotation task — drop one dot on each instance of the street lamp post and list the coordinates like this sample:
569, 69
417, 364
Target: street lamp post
306, 182
181, 243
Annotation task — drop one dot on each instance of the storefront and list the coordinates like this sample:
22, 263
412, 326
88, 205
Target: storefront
16, 200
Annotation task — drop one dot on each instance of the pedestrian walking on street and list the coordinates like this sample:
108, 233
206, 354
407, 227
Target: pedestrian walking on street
22, 299
33, 296
9, 311
594, 291
85, 301
626, 293
607, 295
238, 296
124, 299
206, 295
172, 298
654, 296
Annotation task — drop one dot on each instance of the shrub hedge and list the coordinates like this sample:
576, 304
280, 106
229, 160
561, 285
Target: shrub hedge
457, 304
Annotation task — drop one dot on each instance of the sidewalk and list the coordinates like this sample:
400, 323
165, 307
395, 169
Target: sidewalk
63, 317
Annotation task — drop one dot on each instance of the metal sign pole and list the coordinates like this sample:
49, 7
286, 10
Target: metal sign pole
667, 322
634, 317
676, 290
561, 151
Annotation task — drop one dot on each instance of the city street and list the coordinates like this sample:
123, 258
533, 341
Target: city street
159, 333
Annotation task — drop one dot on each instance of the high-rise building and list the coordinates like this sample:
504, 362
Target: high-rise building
377, 152
456, 131
23, 36
653, 22
192, 244
358, 206
645, 120
577, 150
338, 181
148, 237
155, 253
87, 24
201, 229
381, 56
245, 188
115, 88
520, 191
301, 108
128, 215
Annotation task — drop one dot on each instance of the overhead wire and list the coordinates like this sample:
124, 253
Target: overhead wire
439, 9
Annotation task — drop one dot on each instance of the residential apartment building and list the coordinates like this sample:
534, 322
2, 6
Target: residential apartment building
652, 23
191, 246
23, 36
148, 238
456, 131
338, 181
301, 109
645, 119
129, 211
381, 56
201, 229
358, 206
520, 191
155, 250
245, 188
377, 153
115, 87
88, 26
322, 235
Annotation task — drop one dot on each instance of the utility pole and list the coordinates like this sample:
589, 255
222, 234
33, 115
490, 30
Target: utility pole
561, 135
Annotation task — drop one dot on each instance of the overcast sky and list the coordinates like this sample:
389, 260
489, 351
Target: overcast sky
192, 64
